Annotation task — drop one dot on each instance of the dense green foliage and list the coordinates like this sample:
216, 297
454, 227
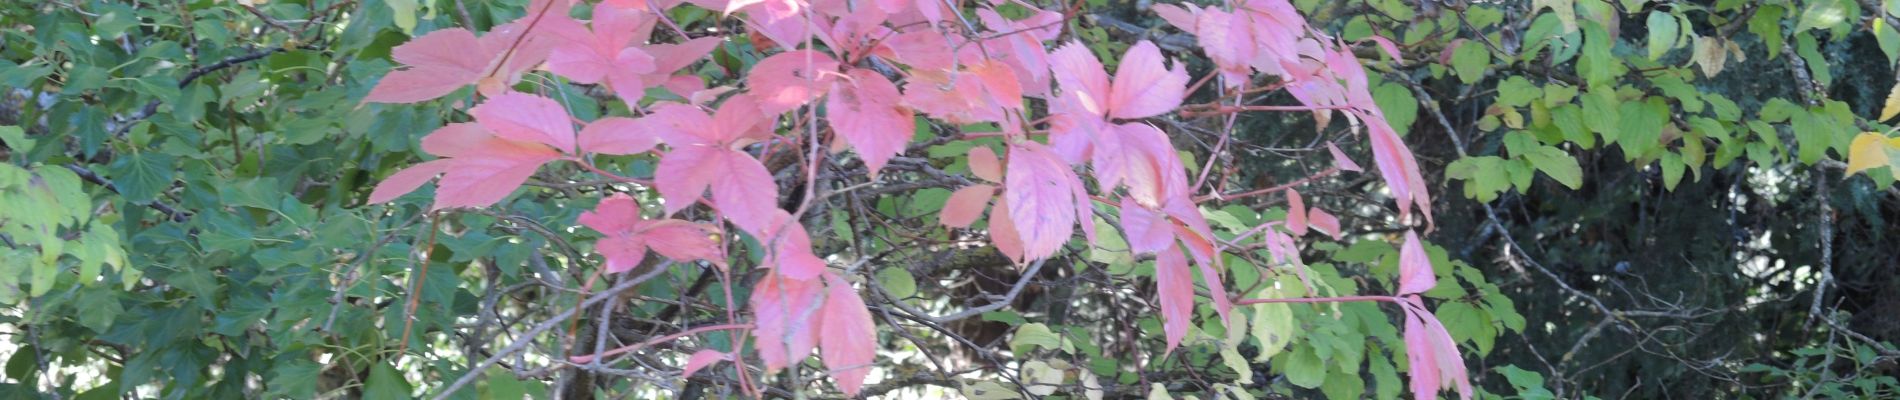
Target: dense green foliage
1634, 199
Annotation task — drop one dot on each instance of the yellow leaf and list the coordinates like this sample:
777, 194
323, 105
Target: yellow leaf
1869, 150
1893, 103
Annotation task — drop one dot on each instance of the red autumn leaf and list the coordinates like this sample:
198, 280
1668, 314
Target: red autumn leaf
704, 155
848, 339
1399, 169
1174, 285
629, 235
1145, 230
1340, 158
1211, 276
965, 205
1142, 88
787, 80
1432, 354
607, 53
985, 165
957, 97
1003, 232
617, 135
702, 359
529, 118
865, 111
478, 167
1139, 156
437, 63
1415, 267
669, 58
790, 252
1039, 187
1295, 213
1324, 222
783, 319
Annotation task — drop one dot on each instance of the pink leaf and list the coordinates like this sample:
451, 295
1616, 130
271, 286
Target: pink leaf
1340, 158
1143, 87
1391, 49
849, 339
1081, 77
1415, 267
1295, 213
744, 191
702, 359
529, 118
787, 80
866, 113
681, 240
999, 82
1432, 354
1398, 168
438, 63
783, 313
407, 180
1138, 155
1038, 187
953, 96
1181, 17
480, 168
617, 135
1145, 230
629, 235
1174, 285
738, 122
684, 173
669, 58
1212, 277
602, 55
985, 165
1324, 222
1003, 232
791, 254
616, 217
965, 205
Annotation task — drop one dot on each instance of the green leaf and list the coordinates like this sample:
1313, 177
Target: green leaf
1812, 136
1822, 14
503, 385
1400, 107
1342, 385
294, 377
1664, 30
1672, 169
1470, 60
385, 383
1468, 323
1818, 66
1598, 65
141, 176
1517, 91
1304, 368
15, 138
1641, 126
1030, 336
1558, 165
898, 281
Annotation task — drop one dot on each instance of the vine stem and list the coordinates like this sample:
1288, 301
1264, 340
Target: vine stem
1341, 299
663, 339
1289, 185
415, 289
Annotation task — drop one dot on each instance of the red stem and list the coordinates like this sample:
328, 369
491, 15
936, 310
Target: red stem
1341, 299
